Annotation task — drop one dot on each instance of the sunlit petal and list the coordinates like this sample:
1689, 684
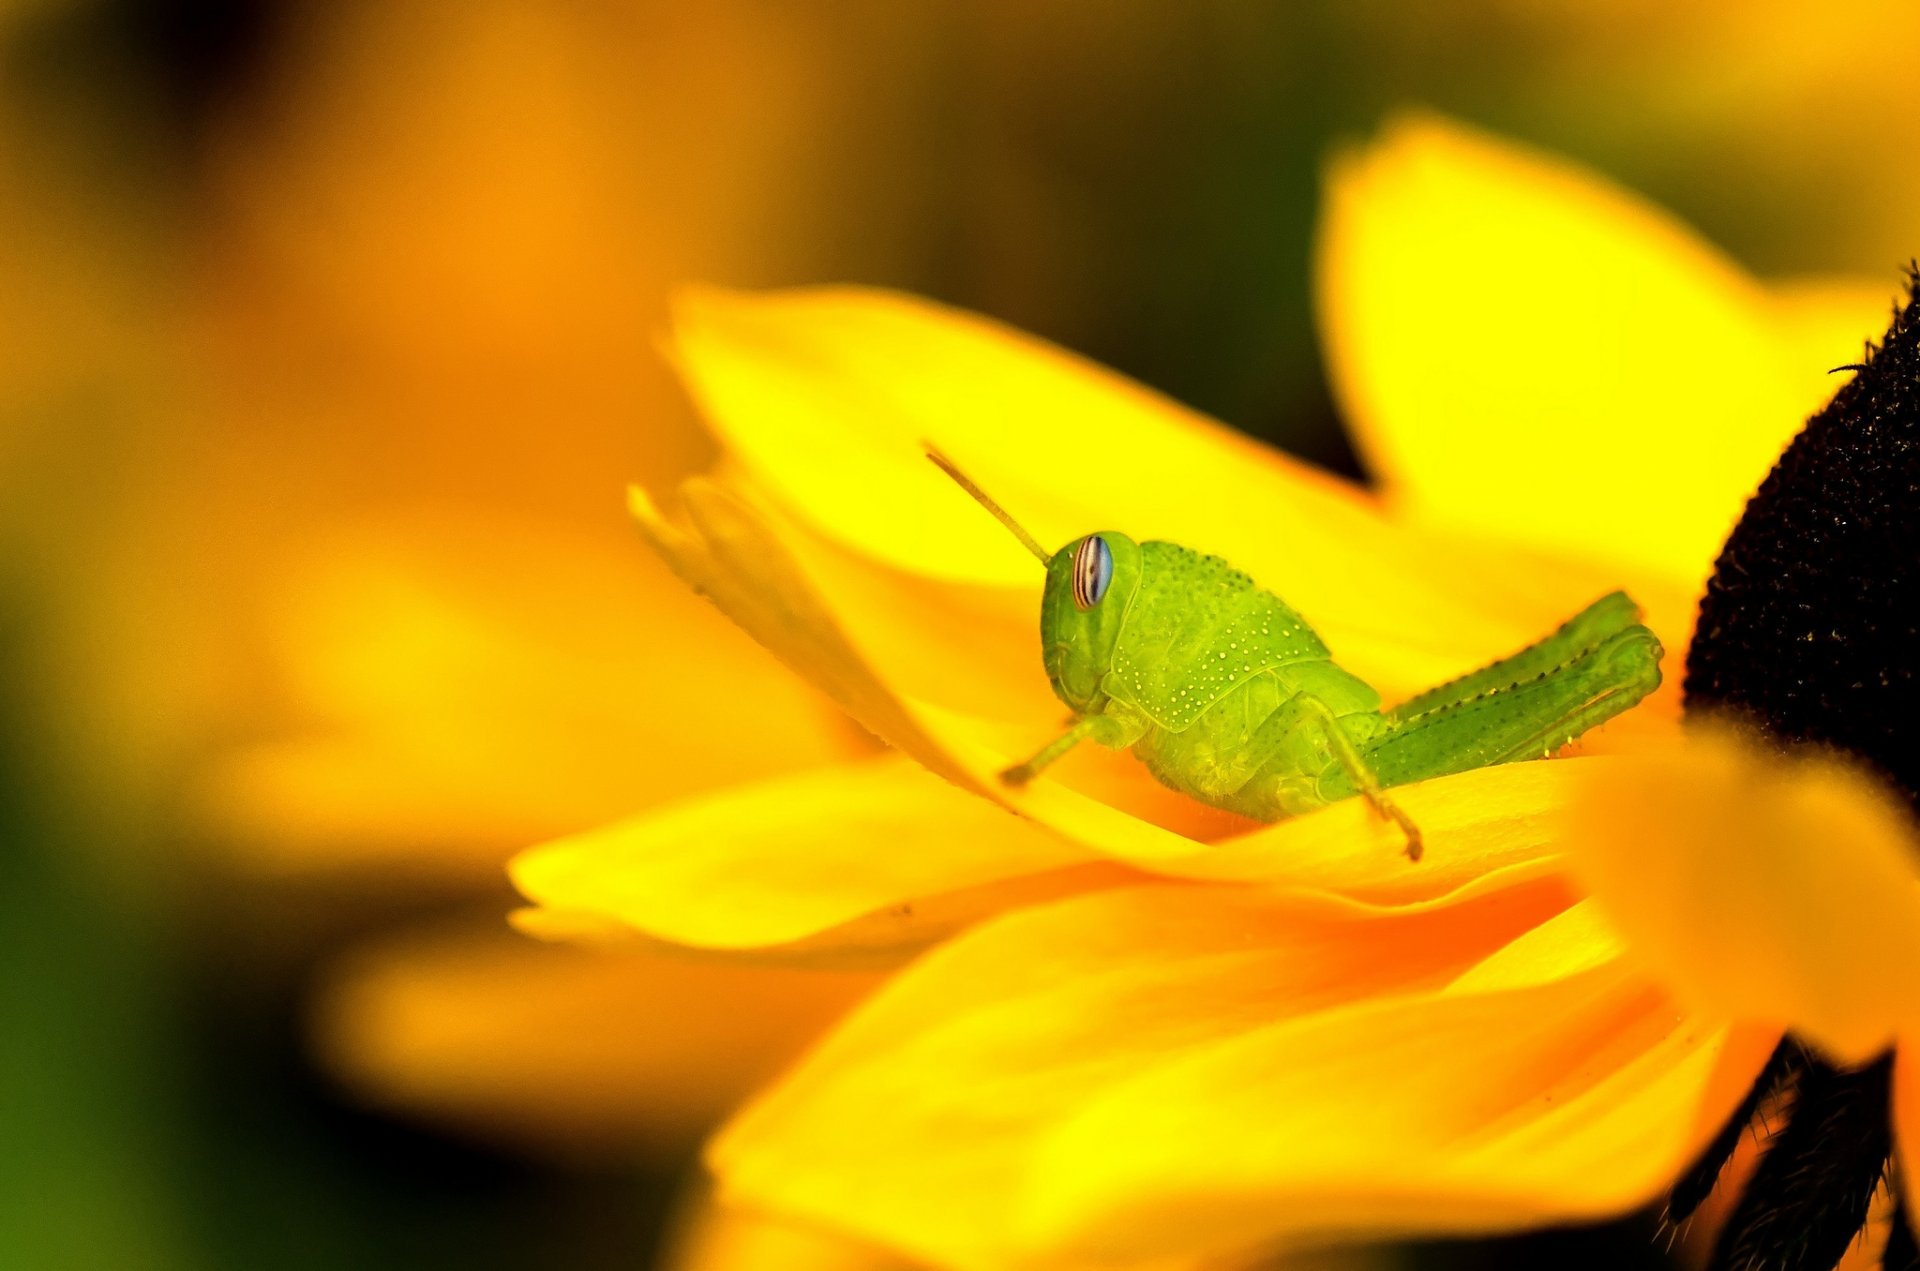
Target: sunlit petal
1529, 351
827, 397
777, 863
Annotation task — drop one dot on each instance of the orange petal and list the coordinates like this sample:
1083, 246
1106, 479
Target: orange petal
914, 1123
717, 1237
1906, 1122
828, 396
1530, 352
601, 1052
1572, 1098
727, 1238
1760, 888
778, 863
473, 684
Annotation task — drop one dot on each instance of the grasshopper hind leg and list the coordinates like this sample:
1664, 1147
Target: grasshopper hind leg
1585, 631
1282, 787
1525, 720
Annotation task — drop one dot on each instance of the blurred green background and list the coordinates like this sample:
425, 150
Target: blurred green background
274, 268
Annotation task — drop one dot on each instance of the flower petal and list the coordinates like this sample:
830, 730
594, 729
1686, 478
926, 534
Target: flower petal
829, 394
728, 548
1530, 352
1505, 818
827, 397
1779, 891
600, 1052
914, 1122
1573, 1098
433, 654
727, 1238
786, 860
1906, 1122
827, 615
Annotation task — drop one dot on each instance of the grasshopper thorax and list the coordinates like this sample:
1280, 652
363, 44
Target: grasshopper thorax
1091, 583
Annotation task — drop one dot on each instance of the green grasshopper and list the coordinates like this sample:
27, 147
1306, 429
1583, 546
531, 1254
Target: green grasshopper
1228, 696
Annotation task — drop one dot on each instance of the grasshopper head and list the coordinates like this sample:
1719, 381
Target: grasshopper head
1090, 585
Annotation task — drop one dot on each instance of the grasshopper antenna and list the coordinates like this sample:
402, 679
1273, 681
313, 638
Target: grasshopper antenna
946, 465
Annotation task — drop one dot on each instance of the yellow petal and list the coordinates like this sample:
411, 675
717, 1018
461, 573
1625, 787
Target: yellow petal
1779, 891
1577, 1097
471, 684
848, 626
827, 396
914, 1123
1528, 351
1500, 819
729, 548
777, 863
604, 1052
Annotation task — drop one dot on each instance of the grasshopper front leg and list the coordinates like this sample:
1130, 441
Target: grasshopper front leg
1052, 752
1113, 728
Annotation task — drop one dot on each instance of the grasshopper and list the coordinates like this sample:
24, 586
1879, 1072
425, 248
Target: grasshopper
1227, 695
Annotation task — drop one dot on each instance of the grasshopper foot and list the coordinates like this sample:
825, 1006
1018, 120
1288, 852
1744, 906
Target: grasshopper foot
1414, 845
1393, 812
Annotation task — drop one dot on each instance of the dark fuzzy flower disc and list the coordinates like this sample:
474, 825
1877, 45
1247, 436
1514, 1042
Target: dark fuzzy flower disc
1810, 631
1811, 622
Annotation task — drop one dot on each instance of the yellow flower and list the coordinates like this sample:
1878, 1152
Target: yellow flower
1177, 1035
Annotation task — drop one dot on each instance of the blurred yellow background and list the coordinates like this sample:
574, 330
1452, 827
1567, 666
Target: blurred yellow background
327, 345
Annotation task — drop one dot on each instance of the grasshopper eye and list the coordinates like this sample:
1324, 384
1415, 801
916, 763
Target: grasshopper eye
1092, 571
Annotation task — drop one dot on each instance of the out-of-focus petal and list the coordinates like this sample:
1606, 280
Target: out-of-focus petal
790, 859
728, 1238
1759, 888
432, 656
1528, 351
603, 1052
716, 1237
827, 397
1906, 1122
914, 1123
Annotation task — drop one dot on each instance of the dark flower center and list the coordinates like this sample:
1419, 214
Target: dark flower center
1810, 631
